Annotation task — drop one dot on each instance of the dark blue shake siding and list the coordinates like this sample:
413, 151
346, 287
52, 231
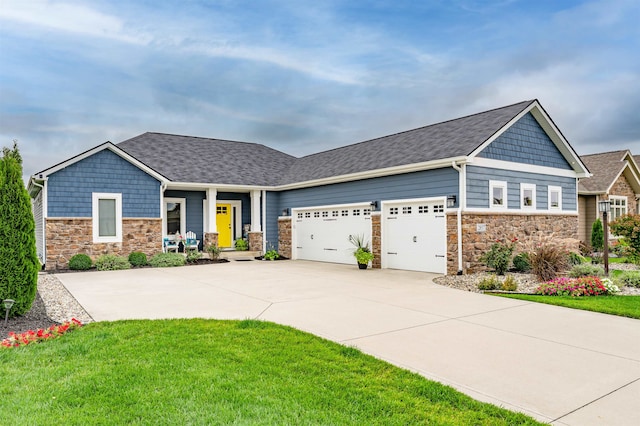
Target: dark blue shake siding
69, 190
423, 184
478, 187
526, 142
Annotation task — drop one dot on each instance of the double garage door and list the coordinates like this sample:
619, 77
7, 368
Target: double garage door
413, 234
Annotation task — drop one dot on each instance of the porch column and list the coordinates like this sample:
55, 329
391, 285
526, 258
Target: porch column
255, 211
212, 194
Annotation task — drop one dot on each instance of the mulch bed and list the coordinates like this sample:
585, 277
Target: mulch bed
33, 320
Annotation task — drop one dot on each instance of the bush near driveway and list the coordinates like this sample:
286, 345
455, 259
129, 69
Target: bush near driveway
165, 260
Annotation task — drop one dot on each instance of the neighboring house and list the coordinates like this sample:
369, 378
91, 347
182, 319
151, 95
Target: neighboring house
616, 178
430, 199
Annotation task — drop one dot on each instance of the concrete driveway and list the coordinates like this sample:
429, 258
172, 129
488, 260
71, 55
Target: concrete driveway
559, 365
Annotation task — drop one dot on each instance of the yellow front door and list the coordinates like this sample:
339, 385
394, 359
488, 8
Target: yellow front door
223, 223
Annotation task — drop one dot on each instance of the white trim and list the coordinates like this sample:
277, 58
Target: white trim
521, 167
183, 215
528, 187
329, 206
95, 215
521, 212
618, 198
505, 194
107, 145
256, 225
551, 189
264, 221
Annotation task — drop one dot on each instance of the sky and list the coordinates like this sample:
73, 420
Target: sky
307, 76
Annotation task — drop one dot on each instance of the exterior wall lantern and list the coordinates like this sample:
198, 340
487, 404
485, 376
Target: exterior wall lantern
8, 304
374, 206
451, 201
285, 212
604, 207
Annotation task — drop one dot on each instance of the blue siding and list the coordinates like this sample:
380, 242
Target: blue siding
273, 212
194, 211
69, 189
526, 142
478, 187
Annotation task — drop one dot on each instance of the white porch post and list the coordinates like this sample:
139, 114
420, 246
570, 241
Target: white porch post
255, 211
212, 194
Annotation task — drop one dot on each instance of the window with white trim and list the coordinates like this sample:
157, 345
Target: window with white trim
555, 198
527, 196
618, 206
497, 194
107, 217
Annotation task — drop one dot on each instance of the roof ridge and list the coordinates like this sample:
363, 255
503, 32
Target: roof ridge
419, 128
607, 152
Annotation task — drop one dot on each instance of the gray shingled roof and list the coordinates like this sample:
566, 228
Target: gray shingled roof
605, 167
202, 160
453, 138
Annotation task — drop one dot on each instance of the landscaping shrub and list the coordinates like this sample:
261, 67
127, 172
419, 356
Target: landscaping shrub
499, 256
137, 258
193, 256
576, 259
621, 248
547, 261
489, 283
214, 251
629, 278
80, 262
111, 262
586, 270
585, 249
509, 284
583, 286
521, 262
271, 255
18, 258
241, 244
597, 236
165, 260
628, 226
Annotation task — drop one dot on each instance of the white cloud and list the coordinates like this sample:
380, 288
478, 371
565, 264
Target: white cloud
66, 17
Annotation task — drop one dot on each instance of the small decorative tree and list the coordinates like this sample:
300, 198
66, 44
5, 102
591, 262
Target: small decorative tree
18, 259
597, 236
628, 226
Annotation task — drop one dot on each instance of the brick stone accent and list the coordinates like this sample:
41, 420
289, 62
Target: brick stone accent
255, 241
622, 187
66, 237
376, 240
210, 238
530, 229
284, 236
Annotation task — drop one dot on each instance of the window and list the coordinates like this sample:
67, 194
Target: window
366, 212
325, 214
423, 209
307, 215
555, 198
344, 212
618, 206
107, 217
498, 194
406, 210
527, 196
356, 212
438, 208
393, 211
299, 215
334, 213
316, 214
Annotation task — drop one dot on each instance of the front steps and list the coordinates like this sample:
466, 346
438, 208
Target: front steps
239, 255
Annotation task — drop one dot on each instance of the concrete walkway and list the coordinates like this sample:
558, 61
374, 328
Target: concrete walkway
562, 366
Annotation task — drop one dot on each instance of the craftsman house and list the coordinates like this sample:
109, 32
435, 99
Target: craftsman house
616, 178
429, 199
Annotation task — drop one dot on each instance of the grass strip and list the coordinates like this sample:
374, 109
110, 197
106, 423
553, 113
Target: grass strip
624, 306
211, 372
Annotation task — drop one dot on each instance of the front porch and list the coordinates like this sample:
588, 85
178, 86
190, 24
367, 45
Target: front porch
216, 217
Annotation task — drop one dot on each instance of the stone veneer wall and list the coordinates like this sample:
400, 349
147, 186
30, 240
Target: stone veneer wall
210, 238
284, 236
529, 229
622, 187
66, 237
255, 241
376, 240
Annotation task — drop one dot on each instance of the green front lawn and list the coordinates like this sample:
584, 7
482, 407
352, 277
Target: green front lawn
220, 372
624, 306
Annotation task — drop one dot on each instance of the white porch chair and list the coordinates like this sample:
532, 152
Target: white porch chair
190, 242
169, 244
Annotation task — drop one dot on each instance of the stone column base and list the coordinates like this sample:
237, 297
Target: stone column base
255, 241
376, 241
210, 238
284, 236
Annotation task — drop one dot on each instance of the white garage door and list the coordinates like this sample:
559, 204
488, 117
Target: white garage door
415, 235
322, 233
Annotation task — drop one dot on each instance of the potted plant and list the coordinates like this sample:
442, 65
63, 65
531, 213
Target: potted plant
362, 252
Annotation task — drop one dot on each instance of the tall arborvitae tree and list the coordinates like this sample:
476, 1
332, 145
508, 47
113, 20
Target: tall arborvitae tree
18, 259
597, 236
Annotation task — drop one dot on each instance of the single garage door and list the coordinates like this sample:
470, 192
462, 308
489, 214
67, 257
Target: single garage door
415, 235
322, 233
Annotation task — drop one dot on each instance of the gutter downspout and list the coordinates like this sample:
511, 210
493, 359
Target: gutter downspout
44, 218
463, 197
264, 221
